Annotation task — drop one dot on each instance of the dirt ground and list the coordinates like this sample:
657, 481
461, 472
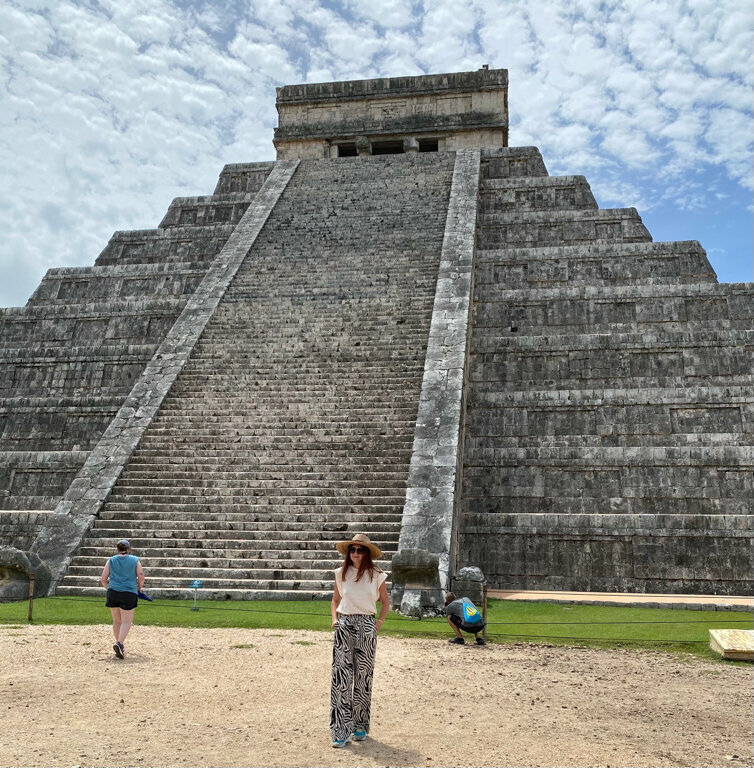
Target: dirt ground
229, 697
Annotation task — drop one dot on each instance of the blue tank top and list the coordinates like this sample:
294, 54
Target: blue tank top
123, 573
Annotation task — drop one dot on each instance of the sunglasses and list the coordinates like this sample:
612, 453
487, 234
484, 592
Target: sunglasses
357, 550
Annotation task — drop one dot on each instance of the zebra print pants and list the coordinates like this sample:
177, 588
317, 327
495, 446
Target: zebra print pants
354, 646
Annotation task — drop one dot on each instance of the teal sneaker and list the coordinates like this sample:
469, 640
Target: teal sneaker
359, 734
340, 743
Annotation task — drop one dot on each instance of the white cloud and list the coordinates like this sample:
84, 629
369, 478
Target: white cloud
353, 45
392, 14
110, 109
28, 31
728, 130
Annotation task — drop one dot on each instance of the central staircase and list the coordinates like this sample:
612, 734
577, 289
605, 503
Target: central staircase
291, 425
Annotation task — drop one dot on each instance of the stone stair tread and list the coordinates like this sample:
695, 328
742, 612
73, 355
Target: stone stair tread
300, 482
295, 561
311, 495
220, 583
252, 521
184, 593
175, 572
286, 549
134, 476
276, 532
290, 514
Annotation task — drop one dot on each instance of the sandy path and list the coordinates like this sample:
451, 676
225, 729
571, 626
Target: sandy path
189, 697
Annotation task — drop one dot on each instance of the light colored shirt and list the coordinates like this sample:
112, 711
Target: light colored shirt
359, 596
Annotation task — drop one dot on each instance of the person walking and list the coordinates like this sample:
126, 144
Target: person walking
123, 577
359, 583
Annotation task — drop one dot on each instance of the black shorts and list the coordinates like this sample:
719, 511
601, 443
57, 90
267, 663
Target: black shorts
472, 629
126, 601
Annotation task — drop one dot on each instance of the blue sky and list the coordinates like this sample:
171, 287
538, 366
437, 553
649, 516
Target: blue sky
110, 109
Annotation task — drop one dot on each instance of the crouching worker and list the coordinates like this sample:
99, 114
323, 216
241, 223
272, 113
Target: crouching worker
463, 615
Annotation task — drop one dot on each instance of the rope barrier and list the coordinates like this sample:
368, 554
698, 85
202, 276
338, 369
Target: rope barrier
601, 639
441, 621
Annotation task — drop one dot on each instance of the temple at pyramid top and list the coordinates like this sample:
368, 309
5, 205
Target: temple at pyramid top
429, 113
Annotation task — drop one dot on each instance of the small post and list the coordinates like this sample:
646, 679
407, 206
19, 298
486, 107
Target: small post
484, 610
195, 585
31, 597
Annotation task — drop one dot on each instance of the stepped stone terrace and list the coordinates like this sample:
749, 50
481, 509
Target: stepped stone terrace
403, 327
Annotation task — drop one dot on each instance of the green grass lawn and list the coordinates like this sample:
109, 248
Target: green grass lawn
508, 621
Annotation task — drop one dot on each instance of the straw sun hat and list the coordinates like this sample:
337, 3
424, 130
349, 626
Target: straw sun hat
359, 538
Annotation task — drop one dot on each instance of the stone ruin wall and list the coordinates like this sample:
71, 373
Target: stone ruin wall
70, 357
458, 111
585, 419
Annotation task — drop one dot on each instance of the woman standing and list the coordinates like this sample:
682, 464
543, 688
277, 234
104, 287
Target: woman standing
359, 583
124, 579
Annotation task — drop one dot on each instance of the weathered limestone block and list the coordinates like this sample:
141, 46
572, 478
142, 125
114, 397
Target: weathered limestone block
15, 568
609, 552
242, 177
469, 582
196, 245
19, 528
35, 480
363, 145
410, 144
92, 290
512, 162
531, 193
416, 588
206, 211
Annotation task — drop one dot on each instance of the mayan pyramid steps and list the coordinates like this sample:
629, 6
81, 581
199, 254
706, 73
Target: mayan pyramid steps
443, 346
292, 423
72, 354
607, 375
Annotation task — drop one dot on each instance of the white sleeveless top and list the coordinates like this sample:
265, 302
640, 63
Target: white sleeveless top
358, 596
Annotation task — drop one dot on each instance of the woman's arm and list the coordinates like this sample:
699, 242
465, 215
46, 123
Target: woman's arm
334, 604
105, 575
139, 576
384, 605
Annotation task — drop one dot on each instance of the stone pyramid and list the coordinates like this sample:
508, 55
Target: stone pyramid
402, 327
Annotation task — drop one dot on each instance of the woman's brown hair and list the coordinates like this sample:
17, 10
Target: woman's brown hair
366, 564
